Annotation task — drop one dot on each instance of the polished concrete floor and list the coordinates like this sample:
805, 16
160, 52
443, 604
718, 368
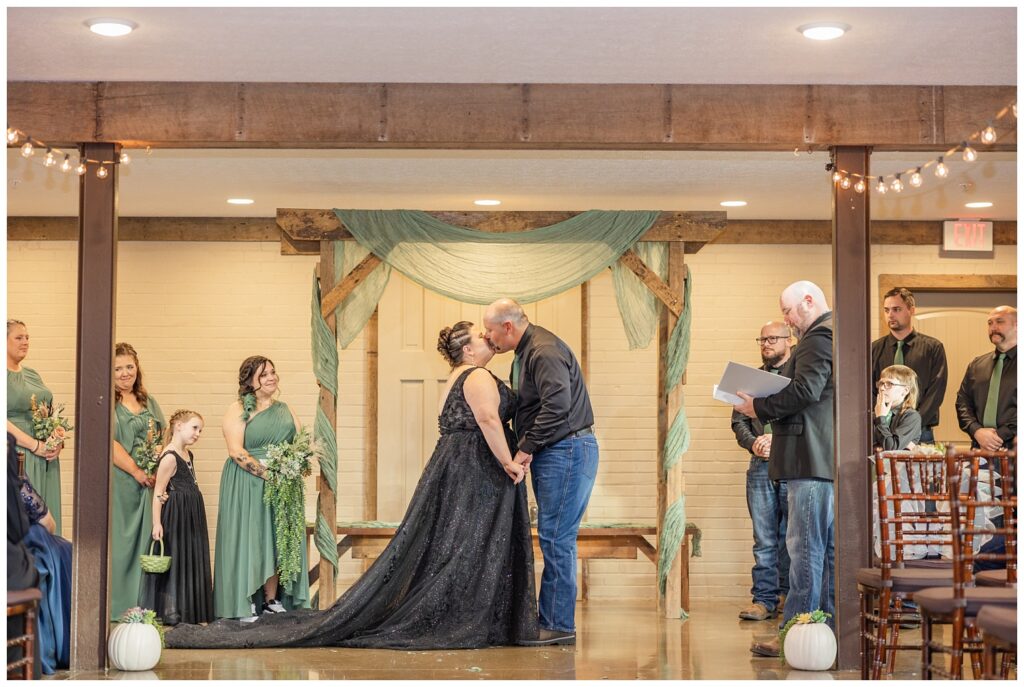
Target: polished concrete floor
617, 640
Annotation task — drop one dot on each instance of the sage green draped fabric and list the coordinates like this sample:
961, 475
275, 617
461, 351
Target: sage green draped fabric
638, 306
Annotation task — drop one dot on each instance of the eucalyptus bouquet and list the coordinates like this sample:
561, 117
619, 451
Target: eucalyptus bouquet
49, 424
147, 454
288, 463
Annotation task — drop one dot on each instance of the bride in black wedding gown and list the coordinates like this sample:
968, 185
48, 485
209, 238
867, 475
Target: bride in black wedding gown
458, 573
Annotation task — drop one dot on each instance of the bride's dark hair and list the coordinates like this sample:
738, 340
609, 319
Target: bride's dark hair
451, 340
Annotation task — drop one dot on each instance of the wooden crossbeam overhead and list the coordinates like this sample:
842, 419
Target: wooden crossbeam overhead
696, 227
653, 282
485, 116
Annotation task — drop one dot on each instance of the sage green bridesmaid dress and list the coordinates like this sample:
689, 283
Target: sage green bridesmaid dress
245, 555
131, 511
44, 476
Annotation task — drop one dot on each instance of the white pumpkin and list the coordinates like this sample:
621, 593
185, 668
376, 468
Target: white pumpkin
134, 646
811, 646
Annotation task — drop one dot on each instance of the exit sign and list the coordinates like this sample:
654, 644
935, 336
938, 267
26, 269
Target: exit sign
967, 235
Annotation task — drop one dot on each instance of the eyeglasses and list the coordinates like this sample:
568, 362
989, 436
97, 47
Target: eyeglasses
762, 340
885, 384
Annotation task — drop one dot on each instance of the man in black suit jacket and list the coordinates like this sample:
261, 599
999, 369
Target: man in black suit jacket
802, 453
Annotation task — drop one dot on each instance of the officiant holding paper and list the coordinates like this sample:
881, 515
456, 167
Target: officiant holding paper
802, 452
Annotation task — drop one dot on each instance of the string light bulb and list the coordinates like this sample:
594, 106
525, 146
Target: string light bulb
845, 184
970, 154
988, 135
941, 170
897, 185
915, 178
836, 176
860, 186
881, 187
66, 165
27, 150
13, 135
81, 168
101, 173
125, 159
50, 160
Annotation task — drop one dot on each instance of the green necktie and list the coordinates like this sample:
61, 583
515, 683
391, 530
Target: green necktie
515, 372
992, 402
898, 360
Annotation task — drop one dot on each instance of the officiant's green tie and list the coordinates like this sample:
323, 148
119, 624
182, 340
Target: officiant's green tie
516, 369
992, 403
898, 360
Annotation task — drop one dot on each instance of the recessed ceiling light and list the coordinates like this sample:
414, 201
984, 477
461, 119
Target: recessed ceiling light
823, 30
733, 203
979, 204
111, 27
486, 202
241, 201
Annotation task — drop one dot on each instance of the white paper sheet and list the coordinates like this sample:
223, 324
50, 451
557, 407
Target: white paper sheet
750, 380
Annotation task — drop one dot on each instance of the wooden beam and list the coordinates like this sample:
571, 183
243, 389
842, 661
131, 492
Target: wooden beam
358, 275
150, 229
851, 268
653, 282
327, 501
696, 228
371, 332
883, 232
504, 116
94, 412
671, 483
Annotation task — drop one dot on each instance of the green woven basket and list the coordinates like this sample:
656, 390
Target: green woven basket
155, 564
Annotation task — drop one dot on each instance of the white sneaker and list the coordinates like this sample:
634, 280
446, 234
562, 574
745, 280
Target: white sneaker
274, 607
252, 618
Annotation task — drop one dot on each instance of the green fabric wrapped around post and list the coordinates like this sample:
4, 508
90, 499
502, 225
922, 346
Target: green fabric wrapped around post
325, 367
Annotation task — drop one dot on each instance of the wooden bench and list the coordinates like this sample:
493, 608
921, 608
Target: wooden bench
366, 540
23, 602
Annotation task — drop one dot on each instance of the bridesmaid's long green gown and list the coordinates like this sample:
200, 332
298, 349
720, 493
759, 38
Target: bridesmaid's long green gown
45, 476
245, 555
131, 512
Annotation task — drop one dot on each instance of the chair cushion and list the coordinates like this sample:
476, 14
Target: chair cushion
906, 579
936, 563
1000, 622
991, 578
939, 600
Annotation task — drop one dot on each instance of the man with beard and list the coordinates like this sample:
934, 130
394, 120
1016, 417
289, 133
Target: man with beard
986, 404
766, 500
923, 354
802, 454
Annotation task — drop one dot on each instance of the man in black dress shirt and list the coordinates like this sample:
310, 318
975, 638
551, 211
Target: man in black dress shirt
923, 354
986, 404
554, 428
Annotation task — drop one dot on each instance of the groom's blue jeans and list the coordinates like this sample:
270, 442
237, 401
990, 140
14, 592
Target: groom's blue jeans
563, 477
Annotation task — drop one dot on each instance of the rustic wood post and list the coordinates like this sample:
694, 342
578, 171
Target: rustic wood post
327, 500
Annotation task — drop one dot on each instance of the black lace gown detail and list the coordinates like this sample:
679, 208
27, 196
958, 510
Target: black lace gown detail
183, 594
458, 573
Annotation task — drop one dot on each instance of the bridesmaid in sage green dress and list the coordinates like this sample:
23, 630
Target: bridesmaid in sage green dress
41, 466
131, 512
245, 579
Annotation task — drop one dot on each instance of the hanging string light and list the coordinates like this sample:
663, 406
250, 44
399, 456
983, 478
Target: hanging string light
884, 183
28, 149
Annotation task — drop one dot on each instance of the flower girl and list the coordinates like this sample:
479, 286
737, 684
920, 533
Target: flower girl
183, 594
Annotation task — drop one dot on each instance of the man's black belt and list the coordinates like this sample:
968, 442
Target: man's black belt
585, 432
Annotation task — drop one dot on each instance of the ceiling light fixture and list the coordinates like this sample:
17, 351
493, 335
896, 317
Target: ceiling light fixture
241, 201
485, 201
979, 204
823, 30
733, 203
111, 28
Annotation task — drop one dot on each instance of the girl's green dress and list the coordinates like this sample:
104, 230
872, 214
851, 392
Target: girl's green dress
245, 556
44, 476
131, 512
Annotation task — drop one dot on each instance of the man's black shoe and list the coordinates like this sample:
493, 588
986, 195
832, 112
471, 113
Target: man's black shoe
549, 637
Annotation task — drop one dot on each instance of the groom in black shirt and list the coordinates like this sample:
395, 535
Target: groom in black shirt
554, 429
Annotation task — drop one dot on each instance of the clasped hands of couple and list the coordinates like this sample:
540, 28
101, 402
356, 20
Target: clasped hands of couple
518, 467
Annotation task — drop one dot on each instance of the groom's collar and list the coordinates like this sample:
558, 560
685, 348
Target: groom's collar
525, 340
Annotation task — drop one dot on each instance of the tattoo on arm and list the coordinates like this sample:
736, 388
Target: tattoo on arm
248, 463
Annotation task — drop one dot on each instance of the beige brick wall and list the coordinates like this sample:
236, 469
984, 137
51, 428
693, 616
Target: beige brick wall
194, 311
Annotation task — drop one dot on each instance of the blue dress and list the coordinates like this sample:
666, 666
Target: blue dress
53, 562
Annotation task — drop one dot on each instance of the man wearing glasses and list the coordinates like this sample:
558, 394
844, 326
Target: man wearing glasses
766, 500
923, 354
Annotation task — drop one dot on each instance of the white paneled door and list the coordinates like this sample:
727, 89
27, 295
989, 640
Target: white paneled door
412, 375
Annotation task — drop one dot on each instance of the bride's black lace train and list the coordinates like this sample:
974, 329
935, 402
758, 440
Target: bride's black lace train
458, 573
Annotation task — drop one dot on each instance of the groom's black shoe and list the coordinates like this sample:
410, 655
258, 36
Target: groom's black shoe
548, 637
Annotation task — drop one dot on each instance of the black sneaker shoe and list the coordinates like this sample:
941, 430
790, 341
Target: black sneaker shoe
273, 606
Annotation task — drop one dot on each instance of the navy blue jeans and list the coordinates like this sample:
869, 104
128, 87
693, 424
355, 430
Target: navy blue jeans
563, 477
810, 540
766, 502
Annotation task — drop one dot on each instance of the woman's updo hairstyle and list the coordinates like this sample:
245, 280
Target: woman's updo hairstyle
451, 340
247, 369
